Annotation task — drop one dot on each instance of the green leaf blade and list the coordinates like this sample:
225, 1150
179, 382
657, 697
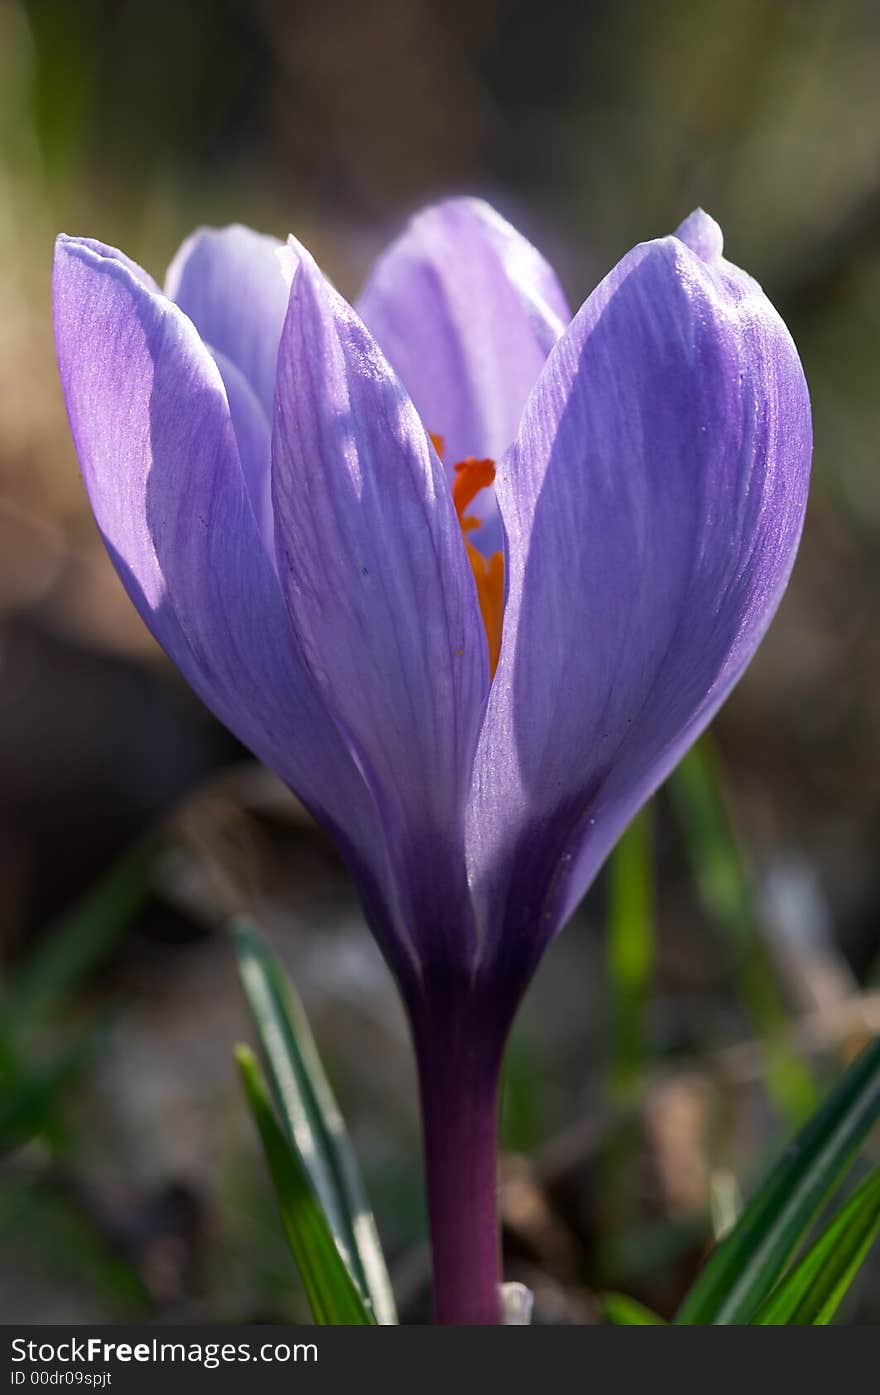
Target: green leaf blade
333, 1295
812, 1291
622, 1311
310, 1115
748, 1263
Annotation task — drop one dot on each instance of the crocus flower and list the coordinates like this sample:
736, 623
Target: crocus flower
468, 572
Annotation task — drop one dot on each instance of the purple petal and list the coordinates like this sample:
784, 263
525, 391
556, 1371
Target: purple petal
653, 504
151, 424
466, 311
703, 235
379, 588
253, 436
101, 249
233, 284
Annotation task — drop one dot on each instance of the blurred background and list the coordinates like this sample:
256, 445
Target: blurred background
729, 965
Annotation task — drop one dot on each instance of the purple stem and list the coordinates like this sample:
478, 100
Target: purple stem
459, 1072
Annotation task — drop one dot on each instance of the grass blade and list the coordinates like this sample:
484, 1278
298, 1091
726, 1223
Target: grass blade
333, 1295
747, 1264
725, 891
29, 1097
630, 958
628, 1312
81, 941
810, 1294
521, 1123
310, 1115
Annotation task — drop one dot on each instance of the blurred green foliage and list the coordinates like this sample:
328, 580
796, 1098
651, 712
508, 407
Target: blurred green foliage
729, 899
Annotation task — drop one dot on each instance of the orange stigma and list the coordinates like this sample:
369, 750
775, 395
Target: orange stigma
470, 477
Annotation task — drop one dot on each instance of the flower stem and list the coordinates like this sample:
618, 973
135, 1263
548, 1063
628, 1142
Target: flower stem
459, 1076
